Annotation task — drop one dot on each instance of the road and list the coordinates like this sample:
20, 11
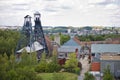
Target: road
85, 67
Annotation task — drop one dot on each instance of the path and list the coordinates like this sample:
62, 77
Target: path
85, 67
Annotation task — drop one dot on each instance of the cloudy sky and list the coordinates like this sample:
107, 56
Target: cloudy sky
62, 12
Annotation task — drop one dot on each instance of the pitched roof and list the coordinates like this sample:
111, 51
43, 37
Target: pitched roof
69, 46
102, 48
71, 42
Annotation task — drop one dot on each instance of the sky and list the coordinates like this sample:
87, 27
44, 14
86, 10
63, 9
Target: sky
62, 12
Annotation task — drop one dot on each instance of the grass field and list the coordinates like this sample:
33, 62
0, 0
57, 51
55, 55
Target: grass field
58, 76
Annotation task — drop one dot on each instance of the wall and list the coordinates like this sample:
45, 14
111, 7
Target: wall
114, 66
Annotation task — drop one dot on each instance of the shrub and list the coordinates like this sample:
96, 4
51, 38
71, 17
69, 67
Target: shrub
41, 67
89, 76
52, 67
77, 70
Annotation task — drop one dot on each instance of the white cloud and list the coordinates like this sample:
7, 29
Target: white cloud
111, 6
96, 1
61, 12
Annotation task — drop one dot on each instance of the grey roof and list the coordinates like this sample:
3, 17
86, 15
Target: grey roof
71, 42
69, 48
102, 48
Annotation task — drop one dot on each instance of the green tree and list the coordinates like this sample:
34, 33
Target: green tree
72, 63
107, 74
64, 38
8, 41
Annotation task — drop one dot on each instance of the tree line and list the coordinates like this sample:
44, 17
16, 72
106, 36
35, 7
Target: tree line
98, 37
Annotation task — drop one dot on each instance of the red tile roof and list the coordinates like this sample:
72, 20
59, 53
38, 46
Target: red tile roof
95, 66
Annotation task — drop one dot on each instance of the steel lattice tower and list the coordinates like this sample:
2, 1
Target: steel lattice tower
32, 39
25, 34
38, 32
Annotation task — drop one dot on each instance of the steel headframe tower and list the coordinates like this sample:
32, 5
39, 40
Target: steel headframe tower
38, 32
25, 34
32, 39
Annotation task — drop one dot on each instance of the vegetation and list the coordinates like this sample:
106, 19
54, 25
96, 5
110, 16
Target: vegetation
63, 38
11, 70
89, 76
28, 66
58, 76
97, 37
47, 66
71, 65
8, 41
107, 74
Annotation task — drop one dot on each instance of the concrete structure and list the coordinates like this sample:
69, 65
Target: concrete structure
107, 55
113, 61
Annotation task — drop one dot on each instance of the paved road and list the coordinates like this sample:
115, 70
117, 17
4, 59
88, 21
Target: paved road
85, 67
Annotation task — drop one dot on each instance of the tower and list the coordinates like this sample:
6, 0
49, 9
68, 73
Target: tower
32, 39
25, 35
38, 32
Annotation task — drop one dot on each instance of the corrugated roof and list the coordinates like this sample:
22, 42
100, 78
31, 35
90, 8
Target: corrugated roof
102, 48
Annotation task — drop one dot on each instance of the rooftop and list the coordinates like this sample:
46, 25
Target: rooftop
71, 42
70, 46
110, 57
102, 48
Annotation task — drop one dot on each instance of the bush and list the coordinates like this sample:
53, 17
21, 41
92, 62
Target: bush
89, 76
52, 67
48, 67
77, 71
41, 68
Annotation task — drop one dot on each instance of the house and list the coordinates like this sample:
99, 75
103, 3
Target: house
71, 46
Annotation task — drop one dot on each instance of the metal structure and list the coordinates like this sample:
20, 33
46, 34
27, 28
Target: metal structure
38, 32
25, 34
32, 38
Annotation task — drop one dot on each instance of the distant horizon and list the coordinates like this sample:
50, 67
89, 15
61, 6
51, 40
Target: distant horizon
58, 26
